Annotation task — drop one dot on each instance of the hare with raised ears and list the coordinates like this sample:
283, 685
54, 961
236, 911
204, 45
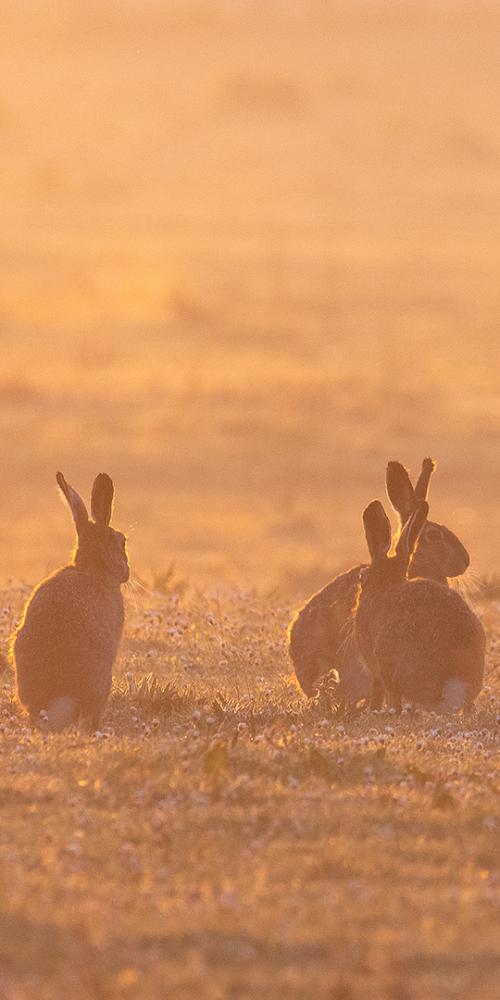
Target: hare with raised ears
440, 555
66, 642
419, 639
320, 636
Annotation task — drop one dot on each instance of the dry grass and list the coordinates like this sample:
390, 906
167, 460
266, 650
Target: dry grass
226, 838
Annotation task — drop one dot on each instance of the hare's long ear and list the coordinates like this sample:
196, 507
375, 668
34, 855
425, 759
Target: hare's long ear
422, 484
75, 503
409, 536
101, 504
399, 490
377, 531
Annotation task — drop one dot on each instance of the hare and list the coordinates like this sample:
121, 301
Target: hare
320, 636
66, 642
419, 639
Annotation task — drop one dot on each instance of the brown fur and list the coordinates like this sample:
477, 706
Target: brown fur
66, 642
321, 637
419, 639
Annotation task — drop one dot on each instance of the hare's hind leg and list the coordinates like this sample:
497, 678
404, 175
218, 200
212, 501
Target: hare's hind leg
394, 700
377, 695
93, 723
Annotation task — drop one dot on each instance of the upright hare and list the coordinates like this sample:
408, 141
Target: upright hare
419, 639
66, 643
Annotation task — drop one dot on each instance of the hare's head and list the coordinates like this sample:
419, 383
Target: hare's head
439, 554
386, 569
98, 546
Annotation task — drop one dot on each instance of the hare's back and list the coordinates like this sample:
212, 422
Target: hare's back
341, 593
440, 612
430, 616
320, 629
430, 636
328, 609
72, 604
68, 637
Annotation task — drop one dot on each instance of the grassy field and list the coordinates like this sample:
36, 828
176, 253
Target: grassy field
221, 838
248, 252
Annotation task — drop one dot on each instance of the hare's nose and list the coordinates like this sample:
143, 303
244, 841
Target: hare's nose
459, 563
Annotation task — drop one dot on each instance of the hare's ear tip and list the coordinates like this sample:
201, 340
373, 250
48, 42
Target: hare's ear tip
372, 506
429, 464
396, 473
60, 480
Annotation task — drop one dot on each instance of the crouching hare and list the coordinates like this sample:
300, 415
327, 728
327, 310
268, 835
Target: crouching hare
420, 640
66, 642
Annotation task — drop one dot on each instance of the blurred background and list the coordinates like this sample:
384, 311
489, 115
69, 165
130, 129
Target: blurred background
249, 250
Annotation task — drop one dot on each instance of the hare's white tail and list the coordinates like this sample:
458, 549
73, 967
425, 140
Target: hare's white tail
60, 713
453, 696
